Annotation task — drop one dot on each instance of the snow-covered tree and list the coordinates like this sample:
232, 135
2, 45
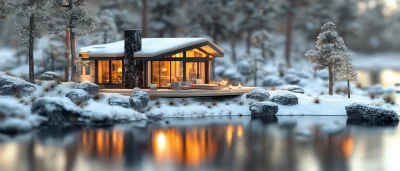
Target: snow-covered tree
330, 52
347, 18
346, 72
257, 64
319, 13
264, 40
78, 20
291, 7
6, 8
106, 30
166, 18
258, 14
38, 14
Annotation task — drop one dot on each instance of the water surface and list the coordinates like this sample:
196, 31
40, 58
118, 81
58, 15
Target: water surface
212, 143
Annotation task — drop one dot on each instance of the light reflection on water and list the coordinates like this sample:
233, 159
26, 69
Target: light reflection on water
219, 143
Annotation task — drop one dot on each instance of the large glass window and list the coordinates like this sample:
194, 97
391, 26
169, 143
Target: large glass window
191, 71
110, 72
116, 72
103, 72
176, 71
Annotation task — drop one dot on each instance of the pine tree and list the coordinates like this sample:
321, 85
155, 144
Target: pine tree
346, 72
38, 12
291, 6
106, 30
257, 64
166, 17
258, 15
330, 52
319, 13
6, 8
74, 17
264, 40
347, 17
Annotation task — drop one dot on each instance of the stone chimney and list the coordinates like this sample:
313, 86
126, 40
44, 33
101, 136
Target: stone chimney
133, 74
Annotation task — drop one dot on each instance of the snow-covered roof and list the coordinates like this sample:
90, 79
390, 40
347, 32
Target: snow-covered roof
152, 47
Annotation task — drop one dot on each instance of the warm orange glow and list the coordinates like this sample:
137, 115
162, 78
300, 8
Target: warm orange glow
102, 143
239, 132
347, 147
229, 133
191, 147
119, 70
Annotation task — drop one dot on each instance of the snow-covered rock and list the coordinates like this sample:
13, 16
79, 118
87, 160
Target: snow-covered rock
97, 112
78, 96
118, 101
271, 81
244, 68
293, 88
139, 99
378, 89
261, 109
12, 85
57, 110
299, 74
16, 118
371, 115
292, 79
91, 88
285, 99
259, 94
50, 76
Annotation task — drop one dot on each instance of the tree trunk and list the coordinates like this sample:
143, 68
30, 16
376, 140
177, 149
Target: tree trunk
105, 37
73, 57
289, 35
145, 20
248, 42
233, 48
31, 43
348, 89
52, 62
67, 53
214, 36
255, 74
330, 80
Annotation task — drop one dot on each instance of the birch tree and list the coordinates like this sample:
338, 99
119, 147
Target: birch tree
78, 20
346, 72
38, 13
330, 52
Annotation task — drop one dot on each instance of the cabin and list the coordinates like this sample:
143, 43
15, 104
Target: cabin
140, 62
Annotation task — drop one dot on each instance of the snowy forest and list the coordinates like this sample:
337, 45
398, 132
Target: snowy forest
266, 36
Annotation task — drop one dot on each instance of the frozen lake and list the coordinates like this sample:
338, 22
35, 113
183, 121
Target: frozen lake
213, 143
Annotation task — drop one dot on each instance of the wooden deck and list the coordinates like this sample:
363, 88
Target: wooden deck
235, 91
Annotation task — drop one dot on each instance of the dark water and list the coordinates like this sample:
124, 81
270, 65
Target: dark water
217, 143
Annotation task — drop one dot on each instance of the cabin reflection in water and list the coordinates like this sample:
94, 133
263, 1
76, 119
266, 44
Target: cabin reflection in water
103, 143
191, 147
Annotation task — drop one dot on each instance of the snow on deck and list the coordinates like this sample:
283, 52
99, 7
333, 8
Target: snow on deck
235, 91
150, 47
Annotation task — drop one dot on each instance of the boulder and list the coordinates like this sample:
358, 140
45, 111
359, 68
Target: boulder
13, 85
293, 88
78, 96
299, 74
16, 118
272, 81
244, 68
259, 94
50, 76
57, 110
371, 115
286, 99
91, 88
139, 99
263, 109
118, 101
292, 79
